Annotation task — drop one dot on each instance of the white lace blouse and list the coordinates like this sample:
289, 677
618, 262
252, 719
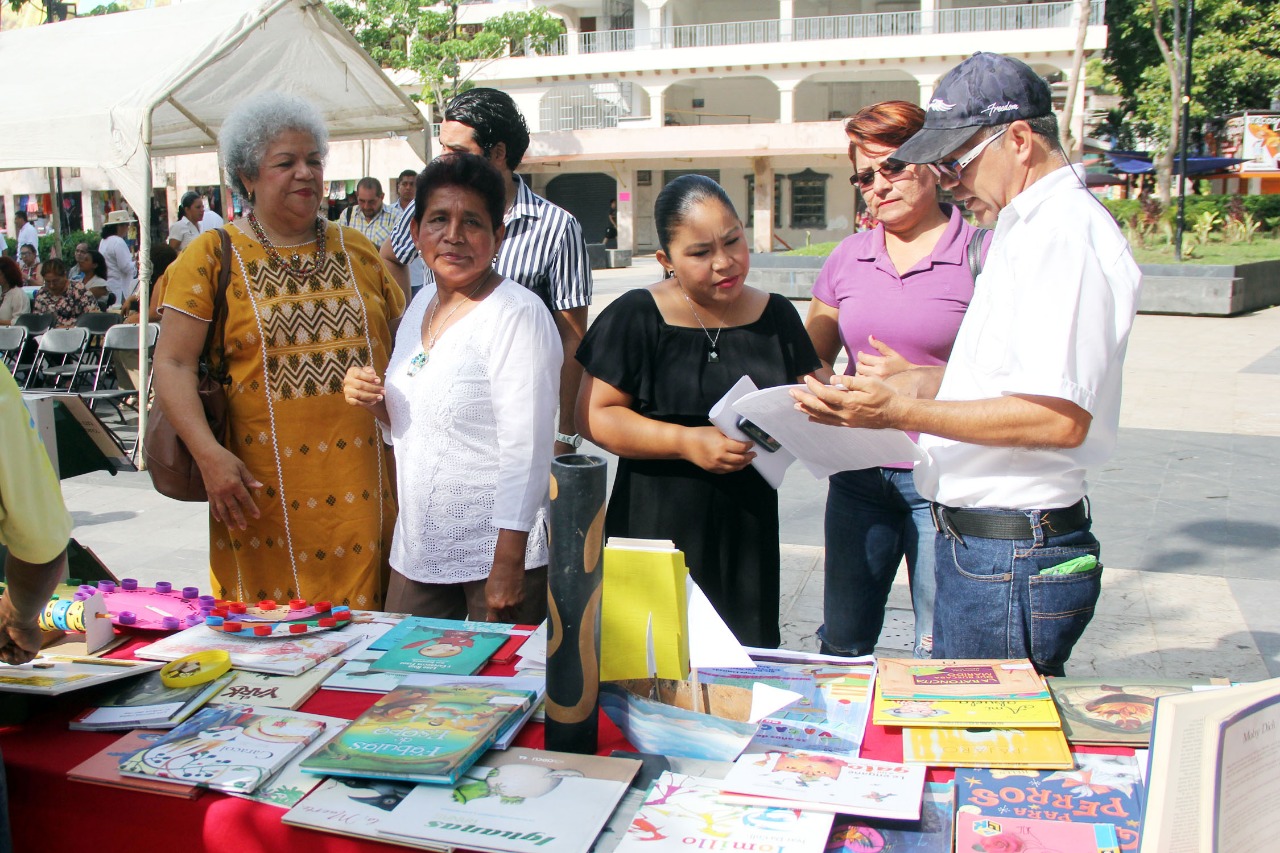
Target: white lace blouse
474, 432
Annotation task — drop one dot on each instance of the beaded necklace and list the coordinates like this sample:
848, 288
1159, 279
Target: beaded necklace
311, 271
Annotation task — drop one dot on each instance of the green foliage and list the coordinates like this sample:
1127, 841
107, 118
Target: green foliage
427, 38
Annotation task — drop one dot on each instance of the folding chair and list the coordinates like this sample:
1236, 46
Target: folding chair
97, 325
34, 323
67, 344
11, 340
120, 338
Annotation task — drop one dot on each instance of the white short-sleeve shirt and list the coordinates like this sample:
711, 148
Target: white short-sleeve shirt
185, 231
1050, 316
474, 431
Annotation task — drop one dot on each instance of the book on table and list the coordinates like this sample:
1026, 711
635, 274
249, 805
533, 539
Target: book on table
291, 783
270, 690
933, 832
1214, 771
1114, 711
517, 801
442, 651
1101, 789
421, 734
683, 812
288, 655
1041, 749
147, 703
984, 834
910, 678
516, 635
103, 768
224, 747
53, 675
965, 713
354, 808
826, 781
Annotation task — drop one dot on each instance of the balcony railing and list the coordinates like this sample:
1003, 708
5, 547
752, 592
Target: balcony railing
981, 19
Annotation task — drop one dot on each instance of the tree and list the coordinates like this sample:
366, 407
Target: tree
1236, 61
1069, 143
428, 38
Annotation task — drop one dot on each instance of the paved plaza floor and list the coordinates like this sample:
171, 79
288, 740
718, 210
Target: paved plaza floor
1188, 510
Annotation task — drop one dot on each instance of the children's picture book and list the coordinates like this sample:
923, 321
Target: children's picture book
147, 703
831, 714
911, 678
1214, 770
420, 734
103, 768
651, 767
518, 801
828, 782
289, 655
934, 832
1113, 711
685, 813
268, 690
982, 834
1101, 789
355, 808
354, 676
224, 747
966, 713
517, 635
1042, 749
290, 783
536, 685
53, 675
443, 651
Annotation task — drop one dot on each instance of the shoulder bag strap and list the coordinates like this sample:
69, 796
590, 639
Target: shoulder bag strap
219, 297
974, 253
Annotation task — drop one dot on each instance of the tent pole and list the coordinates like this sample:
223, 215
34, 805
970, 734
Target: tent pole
144, 292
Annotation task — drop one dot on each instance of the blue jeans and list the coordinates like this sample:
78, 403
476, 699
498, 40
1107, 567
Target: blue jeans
874, 518
994, 603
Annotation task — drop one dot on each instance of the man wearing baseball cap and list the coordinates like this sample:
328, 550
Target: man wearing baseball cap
1030, 398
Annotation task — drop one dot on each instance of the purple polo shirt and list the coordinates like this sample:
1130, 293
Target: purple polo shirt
918, 313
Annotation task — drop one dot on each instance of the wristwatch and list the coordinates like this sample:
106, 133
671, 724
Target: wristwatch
574, 441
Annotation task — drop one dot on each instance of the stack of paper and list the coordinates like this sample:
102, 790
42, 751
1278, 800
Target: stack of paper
644, 618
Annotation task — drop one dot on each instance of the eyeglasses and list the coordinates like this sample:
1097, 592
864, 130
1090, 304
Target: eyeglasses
952, 168
891, 169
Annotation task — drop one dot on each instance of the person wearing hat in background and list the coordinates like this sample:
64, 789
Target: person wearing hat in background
122, 272
1030, 397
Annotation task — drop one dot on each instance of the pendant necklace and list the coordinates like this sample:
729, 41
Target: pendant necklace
420, 360
713, 354
308, 272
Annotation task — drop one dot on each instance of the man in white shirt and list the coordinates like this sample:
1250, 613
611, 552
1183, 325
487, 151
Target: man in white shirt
27, 235
1031, 395
405, 186
368, 215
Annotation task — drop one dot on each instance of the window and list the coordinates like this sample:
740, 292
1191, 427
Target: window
809, 199
751, 201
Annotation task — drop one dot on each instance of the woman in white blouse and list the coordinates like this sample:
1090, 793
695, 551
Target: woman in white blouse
187, 228
470, 399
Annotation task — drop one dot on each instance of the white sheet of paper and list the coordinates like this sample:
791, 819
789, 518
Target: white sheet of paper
766, 699
711, 643
772, 466
821, 448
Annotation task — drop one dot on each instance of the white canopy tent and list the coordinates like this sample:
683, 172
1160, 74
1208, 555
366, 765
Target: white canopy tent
166, 81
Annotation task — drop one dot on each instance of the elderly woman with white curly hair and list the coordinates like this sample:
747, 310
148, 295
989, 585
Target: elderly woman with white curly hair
300, 493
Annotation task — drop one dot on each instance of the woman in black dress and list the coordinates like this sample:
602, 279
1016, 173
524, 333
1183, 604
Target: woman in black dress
656, 361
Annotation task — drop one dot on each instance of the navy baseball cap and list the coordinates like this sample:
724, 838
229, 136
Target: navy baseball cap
986, 89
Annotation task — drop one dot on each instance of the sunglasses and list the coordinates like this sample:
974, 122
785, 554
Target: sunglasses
952, 168
891, 169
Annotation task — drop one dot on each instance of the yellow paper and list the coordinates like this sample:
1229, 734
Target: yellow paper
1042, 749
644, 614
966, 713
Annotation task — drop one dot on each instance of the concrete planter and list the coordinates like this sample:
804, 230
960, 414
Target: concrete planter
1211, 290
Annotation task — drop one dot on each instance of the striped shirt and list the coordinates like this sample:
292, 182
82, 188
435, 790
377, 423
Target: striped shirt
542, 250
377, 229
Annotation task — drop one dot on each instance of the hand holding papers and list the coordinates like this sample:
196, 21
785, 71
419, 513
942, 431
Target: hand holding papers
822, 449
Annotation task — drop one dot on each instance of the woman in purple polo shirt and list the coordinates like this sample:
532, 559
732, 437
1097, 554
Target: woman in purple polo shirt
892, 297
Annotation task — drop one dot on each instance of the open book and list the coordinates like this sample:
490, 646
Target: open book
822, 449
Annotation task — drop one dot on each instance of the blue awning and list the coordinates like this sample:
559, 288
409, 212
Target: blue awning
1139, 163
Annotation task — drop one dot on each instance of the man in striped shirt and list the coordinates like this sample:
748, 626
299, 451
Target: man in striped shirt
543, 248
368, 215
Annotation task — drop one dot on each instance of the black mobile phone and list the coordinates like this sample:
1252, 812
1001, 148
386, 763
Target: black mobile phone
767, 442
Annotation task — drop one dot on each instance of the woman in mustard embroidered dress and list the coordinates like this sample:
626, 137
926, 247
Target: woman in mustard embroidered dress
300, 497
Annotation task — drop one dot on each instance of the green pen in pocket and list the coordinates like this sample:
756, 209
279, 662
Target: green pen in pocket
1086, 563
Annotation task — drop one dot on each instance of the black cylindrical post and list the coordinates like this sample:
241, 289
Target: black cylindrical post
574, 578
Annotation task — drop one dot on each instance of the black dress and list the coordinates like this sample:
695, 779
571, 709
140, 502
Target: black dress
726, 524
